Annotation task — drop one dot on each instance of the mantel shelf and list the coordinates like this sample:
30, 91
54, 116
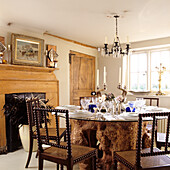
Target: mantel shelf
26, 68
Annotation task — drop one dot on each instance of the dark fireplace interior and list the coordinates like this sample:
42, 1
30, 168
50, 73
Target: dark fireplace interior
12, 130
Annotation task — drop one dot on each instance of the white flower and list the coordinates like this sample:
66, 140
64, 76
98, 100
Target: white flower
119, 99
103, 97
100, 99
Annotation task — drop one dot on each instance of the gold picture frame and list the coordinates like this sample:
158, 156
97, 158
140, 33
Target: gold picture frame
27, 50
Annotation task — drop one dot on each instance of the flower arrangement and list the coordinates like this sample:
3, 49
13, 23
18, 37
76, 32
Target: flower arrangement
119, 99
109, 96
17, 111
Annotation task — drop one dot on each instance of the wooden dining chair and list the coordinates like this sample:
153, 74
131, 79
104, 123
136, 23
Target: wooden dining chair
160, 137
63, 153
32, 132
149, 158
153, 101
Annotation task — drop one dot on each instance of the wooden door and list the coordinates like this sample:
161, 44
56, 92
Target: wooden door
82, 76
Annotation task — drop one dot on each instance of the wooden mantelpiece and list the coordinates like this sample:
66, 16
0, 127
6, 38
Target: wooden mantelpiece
25, 79
26, 68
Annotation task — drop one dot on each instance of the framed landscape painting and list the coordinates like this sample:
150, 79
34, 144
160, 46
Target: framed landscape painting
27, 50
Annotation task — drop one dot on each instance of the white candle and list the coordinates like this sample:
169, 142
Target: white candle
125, 79
104, 75
120, 75
46, 52
105, 40
9, 47
97, 77
127, 39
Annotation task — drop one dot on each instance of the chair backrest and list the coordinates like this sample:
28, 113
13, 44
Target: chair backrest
46, 140
151, 151
152, 100
31, 121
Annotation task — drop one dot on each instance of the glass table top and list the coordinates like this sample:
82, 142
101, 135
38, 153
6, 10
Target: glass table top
77, 114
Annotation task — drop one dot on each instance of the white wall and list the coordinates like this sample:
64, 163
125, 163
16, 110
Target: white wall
112, 69
150, 43
63, 49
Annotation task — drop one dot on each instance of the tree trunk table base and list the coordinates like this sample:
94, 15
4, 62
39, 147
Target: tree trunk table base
108, 136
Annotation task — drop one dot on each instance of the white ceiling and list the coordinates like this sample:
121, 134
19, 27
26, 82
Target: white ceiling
86, 21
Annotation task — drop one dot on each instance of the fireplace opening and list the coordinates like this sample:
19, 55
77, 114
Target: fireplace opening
12, 130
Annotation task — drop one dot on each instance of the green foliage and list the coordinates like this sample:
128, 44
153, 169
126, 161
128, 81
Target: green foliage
16, 109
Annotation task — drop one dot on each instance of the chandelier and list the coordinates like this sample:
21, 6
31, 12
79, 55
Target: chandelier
116, 49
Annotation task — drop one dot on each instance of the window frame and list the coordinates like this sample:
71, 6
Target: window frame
148, 53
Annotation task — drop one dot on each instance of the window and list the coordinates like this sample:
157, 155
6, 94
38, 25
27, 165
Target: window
138, 72
144, 67
157, 58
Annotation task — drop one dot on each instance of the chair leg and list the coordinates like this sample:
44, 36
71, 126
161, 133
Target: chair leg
40, 167
70, 167
94, 162
30, 152
57, 166
36, 156
115, 164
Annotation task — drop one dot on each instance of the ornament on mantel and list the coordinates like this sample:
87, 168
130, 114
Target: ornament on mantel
2, 49
51, 56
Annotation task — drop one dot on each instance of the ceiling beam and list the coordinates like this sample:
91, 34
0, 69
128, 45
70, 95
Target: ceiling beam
75, 42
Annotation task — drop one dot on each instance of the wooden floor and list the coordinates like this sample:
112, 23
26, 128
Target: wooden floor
16, 161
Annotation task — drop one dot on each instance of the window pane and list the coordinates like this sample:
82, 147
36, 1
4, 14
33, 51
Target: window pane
142, 62
138, 72
142, 82
165, 83
165, 59
134, 81
155, 60
133, 63
154, 81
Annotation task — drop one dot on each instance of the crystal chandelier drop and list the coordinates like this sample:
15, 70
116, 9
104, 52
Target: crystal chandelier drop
116, 49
